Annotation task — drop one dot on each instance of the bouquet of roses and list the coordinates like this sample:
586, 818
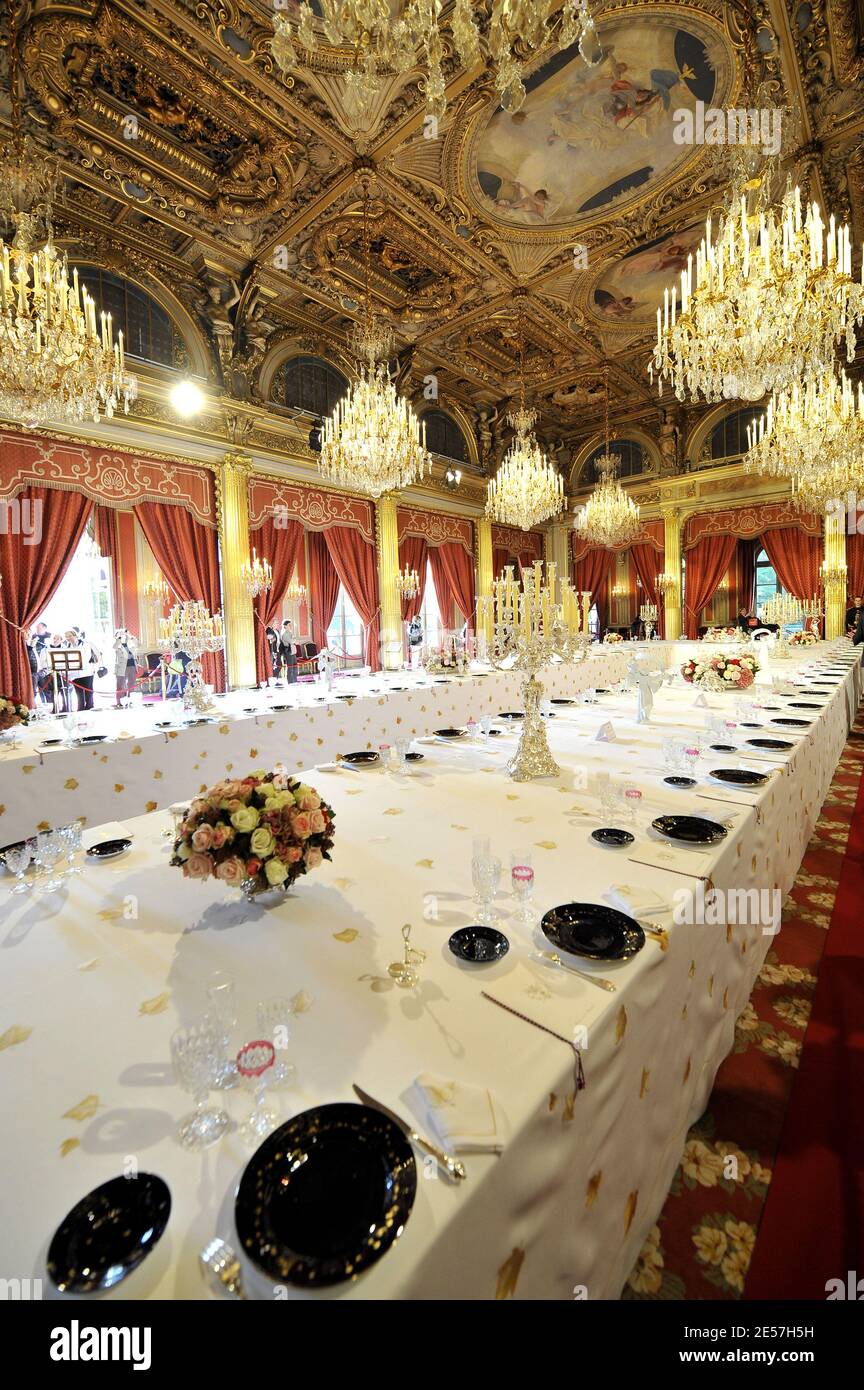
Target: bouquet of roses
805, 638
613, 637
12, 714
721, 672
257, 832
720, 634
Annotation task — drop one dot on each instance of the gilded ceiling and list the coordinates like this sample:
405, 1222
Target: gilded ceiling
191, 161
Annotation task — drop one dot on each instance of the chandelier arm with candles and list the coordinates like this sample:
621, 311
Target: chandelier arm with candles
191, 630
56, 361
813, 434
256, 576
373, 441
610, 516
527, 488
505, 34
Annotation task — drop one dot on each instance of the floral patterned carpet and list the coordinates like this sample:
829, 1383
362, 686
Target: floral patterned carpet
703, 1243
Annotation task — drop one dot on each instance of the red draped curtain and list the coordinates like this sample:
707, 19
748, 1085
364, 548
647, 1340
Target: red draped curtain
280, 545
707, 562
354, 559
187, 553
323, 587
796, 557
105, 536
647, 561
32, 573
746, 557
591, 575
500, 558
453, 576
855, 565
414, 552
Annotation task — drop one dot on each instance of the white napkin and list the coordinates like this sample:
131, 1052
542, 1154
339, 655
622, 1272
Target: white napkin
112, 830
465, 1119
634, 900
606, 733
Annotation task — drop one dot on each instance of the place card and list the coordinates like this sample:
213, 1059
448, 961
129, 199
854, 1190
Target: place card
700, 702
606, 733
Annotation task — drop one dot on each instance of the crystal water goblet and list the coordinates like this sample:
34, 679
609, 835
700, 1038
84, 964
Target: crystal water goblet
274, 1021
486, 874
71, 836
222, 1016
18, 858
254, 1060
195, 1054
49, 850
486, 728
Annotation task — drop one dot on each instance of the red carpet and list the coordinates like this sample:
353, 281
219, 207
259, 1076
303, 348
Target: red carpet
812, 1229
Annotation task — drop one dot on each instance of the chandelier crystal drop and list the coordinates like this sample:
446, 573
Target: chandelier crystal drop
764, 304
812, 434
387, 40
610, 516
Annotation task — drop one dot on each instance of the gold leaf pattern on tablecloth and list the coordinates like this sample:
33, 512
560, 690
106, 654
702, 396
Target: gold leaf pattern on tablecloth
292, 738
569, 1108
343, 883
728, 931
686, 1073
423, 864
621, 1024
458, 827
172, 733
630, 1210
71, 784
355, 791
349, 934
136, 750
301, 1002
545, 844
710, 986
393, 811
14, 1036
593, 1188
157, 775
157, 1005
223, 728
684, 1012
508, 1274
511, 796
523, 820
68, 1145
84, 1110
27, 768
692, 971
119, 787
43, 825
150, 805
726, 998
2, 810
89, 964
646, 1078
110, 914
553, 1099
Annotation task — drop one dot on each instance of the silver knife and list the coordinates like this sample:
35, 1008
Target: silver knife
452, 1167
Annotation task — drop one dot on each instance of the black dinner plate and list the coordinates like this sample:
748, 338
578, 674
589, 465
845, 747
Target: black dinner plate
108, 849
752, 726
768, 743
690, 830
450, 733
479, 945
194, 723
739, 776
16, 844
601, 690
366, 758
165, 724
804, 704
680, 781
560, 701
326, 1195
794, 723
281, 707
723, 747
108, 1233
609, 835
414, 757
248, 709
92, 738
50, 742
593, 930
772, 706
511, 714
397, 687
495, 733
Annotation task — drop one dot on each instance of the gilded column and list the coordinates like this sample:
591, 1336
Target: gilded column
834, 575
672, 566
485, 576
232, 490
387, 540
557, 548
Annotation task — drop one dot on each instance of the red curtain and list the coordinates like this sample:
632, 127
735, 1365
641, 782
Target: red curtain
855, 563
323, 587
453, 576
105, 536
591, 575
646, 558
746, 557
354, 559
55, 520
500, 558
414, 552
707, 562
281, 546
796, 557
187, 553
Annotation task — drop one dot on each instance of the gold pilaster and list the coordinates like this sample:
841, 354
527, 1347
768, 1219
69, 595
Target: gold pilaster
834, 575
672, 565
232, 494
387, 539
556, 545
485, 576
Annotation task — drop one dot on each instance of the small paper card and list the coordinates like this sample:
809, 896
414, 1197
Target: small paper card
606, 733
700, 702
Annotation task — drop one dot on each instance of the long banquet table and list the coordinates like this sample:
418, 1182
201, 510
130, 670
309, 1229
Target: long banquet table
97, 977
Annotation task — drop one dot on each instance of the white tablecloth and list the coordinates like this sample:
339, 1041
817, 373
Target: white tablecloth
97, 978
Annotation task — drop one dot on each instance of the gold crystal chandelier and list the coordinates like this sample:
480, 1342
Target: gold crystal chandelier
610, 516
56, 361
813, 434
296, 592
407, 583
256, 576
764, 304
527, 489
373, 441
156, 593
384, 39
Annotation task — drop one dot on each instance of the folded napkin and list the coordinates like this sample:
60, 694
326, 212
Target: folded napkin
465, 1119
635, 901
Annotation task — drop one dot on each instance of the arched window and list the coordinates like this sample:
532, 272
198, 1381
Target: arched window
148, 333
309, 383
632, 460
444, 437
728, 439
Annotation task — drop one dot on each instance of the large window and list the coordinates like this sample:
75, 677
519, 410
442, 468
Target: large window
345, 633
767, 585
148, 333
728, 440
309, 383
430, 614
444, 437
632, 460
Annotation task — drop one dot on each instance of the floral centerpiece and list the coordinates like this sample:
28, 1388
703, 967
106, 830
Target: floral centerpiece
258, 832
805, 638
613, 637
451, 658
12, 714
721, 634
721, 672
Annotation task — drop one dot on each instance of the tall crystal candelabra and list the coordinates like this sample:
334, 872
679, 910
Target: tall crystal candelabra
783, 609
528, 629
648, 614
191, 628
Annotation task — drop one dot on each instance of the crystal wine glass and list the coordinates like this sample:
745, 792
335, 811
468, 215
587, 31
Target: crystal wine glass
522, 879
18, 859
70, 836
486, 728
195, 1053
274, 1021
254, 1060
222, 1016
49, 850
486, 874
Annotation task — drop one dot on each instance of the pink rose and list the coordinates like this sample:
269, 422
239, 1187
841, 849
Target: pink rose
198, 808
310, 802
313, 858
292, 854
221, 835
317, 821
198, 866
202, 838
301, 824
231, 870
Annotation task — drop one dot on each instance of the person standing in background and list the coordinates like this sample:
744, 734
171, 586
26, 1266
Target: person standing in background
854, 614
288, 652
125, 665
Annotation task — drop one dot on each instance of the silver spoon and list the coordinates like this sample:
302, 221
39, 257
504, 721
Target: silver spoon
221, 1268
